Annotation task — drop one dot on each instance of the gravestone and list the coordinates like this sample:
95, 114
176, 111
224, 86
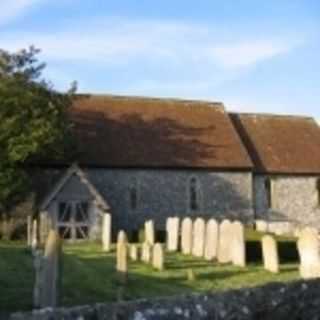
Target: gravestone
34, 240
308, 247
122, 261
199, 230
158, 257
122, 237
238, 244
172, 234
225, 242
186, 236
29, 230
149, 232
211, 243
50, 275
270, 253
146, 252
261, 225
106, 232
133, 252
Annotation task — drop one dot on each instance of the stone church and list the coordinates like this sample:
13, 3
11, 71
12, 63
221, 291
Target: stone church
147, 158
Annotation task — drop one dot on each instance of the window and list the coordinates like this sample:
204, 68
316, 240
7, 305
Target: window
268, 188
194, 193
133, 194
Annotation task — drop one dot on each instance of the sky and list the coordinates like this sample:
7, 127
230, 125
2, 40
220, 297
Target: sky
254, 56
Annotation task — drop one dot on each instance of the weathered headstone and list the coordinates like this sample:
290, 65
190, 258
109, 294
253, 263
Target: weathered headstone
225, 242
172, 234
149, 232
261, 225
158, 257
199, 230
186, 236
270, 253
34, 240
106, 232
211, 243
308, 247
146, 252
238, 244
133, 252
122, 261
50, 275
29, 230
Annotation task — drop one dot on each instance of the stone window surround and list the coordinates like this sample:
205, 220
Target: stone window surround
133, 194
198, 194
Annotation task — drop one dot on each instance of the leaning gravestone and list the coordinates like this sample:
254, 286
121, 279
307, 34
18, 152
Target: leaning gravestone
172, 234
149, 232
199, 230
133, 252
106, 232
158, 257
50, 275
225, 242
308, 247
238, 244
146, 252
211, 243
270, 253
186, 236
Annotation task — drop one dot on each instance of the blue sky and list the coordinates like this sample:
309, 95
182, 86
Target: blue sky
255, 56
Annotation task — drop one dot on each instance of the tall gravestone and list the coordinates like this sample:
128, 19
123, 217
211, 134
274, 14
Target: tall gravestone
122, 261
225, 242
186, 236
270, 253
211, 243
308, 247
50, 275
158, 257
172, 234
106, 232
238, 244
199, 230
149, 232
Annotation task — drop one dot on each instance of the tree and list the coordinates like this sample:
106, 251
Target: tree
33, 123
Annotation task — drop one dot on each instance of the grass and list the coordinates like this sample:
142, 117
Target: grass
89, 276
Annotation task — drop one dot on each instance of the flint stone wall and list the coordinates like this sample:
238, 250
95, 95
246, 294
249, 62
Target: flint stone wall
297, 300
295, 199
165, 193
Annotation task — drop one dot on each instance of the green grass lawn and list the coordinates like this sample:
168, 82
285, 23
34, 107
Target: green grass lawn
89, 276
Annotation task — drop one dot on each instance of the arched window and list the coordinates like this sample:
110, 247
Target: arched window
133, 194
194, 193
268, 189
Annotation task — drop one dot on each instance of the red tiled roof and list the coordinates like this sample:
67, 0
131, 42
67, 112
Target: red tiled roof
280, 144
117, 131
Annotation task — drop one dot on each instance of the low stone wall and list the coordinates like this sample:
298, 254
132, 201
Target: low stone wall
296, 300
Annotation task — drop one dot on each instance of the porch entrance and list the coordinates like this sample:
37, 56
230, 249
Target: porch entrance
73, 222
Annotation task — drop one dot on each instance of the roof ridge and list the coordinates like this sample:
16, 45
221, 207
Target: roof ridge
274, 115
217, 104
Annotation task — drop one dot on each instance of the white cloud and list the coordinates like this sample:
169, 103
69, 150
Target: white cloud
12, 9
120, 41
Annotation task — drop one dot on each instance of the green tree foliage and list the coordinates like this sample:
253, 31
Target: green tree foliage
33, 120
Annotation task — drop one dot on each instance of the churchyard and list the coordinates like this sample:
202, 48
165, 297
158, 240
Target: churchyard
91, 272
